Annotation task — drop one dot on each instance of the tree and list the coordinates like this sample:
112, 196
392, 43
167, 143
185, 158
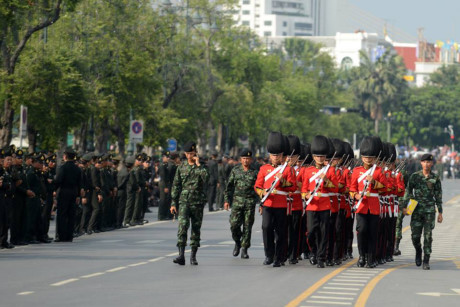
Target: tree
18, 22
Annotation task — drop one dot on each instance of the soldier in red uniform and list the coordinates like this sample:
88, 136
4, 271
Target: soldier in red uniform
295, 206
318, 210
347, 204
274, 209
303, 247
368, 211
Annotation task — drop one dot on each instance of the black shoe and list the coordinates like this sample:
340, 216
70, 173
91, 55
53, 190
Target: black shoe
132, 224
193, 256
371, 265
389, 259
313, 260
329, 263
320, 264
381, 261
418, 256
45, 240
361, 262
426, 262
293, 261
236, 250
148, 211
397, 252
337, 262
7, 245
276, 264
350, 255
244, 253
97, 231
21, 243
33, 242
89, 232
124, 226
268, 261
181, 258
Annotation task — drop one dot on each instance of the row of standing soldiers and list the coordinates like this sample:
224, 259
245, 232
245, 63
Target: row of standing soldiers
27, 191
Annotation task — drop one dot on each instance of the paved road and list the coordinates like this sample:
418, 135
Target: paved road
133, 267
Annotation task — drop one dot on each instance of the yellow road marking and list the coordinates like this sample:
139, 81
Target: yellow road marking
457, 263
318, 284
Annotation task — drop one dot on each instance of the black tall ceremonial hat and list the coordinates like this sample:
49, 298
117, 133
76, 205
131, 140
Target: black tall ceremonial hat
275, 143
367, 147
339, 147
332, 150
320, 146
307, 150
385, 155
294, 144
286, 150
349, 153
392, 152
378, 146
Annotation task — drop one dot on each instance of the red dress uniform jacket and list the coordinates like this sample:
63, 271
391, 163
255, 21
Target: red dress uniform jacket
320, 202
297, 204
285, 185
370, 200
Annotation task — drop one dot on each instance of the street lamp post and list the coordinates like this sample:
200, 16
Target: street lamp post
450, 129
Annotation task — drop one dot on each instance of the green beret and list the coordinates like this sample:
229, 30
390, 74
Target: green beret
190, 146
427, 157
245, 153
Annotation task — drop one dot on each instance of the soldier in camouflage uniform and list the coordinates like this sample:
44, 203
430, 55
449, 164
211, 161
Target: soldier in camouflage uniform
188, 192
240, 188
425, 187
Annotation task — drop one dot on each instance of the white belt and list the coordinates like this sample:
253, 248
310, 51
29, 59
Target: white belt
284, 193
371, 194
319, 194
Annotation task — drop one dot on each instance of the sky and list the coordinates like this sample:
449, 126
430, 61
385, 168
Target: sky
439, 18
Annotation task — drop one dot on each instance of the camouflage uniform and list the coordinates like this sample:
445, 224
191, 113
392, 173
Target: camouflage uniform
188, 192
240, 188
428, 192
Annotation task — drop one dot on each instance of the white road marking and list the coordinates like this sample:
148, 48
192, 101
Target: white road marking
344, 284
116, 269
350, 280
337, 293
329, 302
331, 298
25, 293
64, 282
226, 242
109, 241
172, 254
341, 288
93, 275
355, 278
137, 264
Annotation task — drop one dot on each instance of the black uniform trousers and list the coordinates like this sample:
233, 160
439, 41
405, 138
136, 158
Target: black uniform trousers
121, 206
86, 213
317, 235
274, 232
4, 220
294, 221
18, 228
366, 229
65, 214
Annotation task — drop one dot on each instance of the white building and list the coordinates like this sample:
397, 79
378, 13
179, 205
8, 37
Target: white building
276, 17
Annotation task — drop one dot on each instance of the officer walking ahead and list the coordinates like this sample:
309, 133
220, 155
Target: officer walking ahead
240, 192
188, 192
425, 187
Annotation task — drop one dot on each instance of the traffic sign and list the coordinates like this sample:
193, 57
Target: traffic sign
136, 132
172, 145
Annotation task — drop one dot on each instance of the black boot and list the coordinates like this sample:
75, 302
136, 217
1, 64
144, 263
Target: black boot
361, 262
268, 261
236, 249
244, 253
181, 259
371, 262
426, 262
397, 252
418, 256
313, 260
193, 256
320, 264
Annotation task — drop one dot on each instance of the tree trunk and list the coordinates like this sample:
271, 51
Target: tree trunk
103, 136
6, 122
32, 138
376, 126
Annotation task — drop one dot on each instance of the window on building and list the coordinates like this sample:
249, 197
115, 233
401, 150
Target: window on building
303, 26
284, 34
245, 23
347, 63
246, 1
267, 33
268, 22
284, 23
246, 12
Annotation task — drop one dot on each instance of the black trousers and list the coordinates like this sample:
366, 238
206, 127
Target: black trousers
294, 236
349, 234
212, 190
86, 213
366, 229
19, 219
4, 222
121, 199
317, 235
391, 236
46, 216
274, 232
332, 236
340, 234
65, 214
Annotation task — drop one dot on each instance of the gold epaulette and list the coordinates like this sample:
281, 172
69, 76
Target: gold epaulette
260, 192
378, 185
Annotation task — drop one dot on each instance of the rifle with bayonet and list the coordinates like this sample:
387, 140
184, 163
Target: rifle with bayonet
367, 184
275, 182
320, 181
